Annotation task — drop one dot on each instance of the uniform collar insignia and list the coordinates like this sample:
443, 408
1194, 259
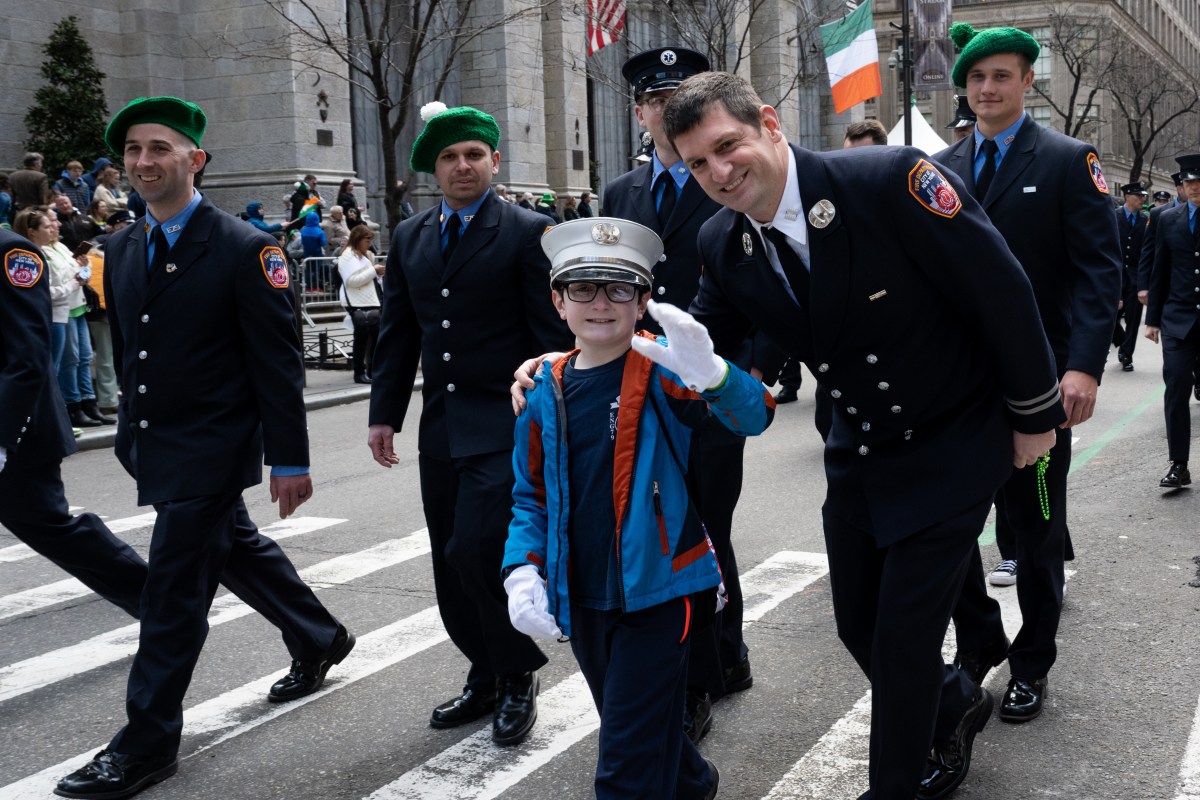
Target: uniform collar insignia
821, 214
791, 214
748, 244
171, 268
1009, 139
176, 228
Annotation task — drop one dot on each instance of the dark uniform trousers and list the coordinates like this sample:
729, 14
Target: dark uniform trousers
195, 441
636, 665
1181, 366
1130, 318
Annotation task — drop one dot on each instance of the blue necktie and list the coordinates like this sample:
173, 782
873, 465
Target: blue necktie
1192, 221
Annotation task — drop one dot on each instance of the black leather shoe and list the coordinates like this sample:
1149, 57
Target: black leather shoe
947, 765
1127, 366
80, 419
1176, 476
92, 411
786, 395
307, 676
978, 663
467, 707
716, 780
361, 377
697, 714
111, 775
1023, 700
738, 677
516, 707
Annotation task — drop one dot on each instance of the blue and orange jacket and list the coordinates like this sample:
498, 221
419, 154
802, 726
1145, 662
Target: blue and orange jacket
662, 549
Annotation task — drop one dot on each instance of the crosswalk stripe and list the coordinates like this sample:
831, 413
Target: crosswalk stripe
476, 769
1189, 770
20, 552
41, 597
242, 709
41, 671
836, 765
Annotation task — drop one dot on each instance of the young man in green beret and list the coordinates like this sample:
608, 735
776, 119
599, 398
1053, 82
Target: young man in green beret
465, 296
1046, 194
202, 330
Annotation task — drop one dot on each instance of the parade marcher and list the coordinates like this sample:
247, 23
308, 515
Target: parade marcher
638, 585
1046, 194
661, 195
1161, 198
1172, 315
916, 450
190, 291
1146, 262
465, 296
963, 123
1131, 228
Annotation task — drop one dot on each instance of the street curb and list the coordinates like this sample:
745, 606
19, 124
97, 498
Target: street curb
106, 438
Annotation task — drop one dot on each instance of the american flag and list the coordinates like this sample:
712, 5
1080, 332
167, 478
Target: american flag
605, 19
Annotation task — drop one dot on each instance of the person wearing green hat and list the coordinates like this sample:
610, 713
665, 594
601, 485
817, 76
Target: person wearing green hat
546, 204
465, 296
201, 317
1046, 194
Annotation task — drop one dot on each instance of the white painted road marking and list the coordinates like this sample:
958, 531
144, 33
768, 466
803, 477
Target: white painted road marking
20, 552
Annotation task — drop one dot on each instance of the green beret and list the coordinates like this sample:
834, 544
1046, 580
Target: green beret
180, 115
988, 42
444, 127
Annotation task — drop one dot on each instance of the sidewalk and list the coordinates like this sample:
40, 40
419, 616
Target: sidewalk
325, 388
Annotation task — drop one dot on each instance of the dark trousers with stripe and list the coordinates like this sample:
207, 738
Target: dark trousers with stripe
635, 665
892, 606
34, 508
197, 543
468, 506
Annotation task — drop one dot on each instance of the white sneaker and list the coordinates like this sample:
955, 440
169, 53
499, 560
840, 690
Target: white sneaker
1005, 574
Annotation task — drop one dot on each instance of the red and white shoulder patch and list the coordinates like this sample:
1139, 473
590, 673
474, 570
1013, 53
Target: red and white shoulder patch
1096, 174
275, 267
23, 268
931, 189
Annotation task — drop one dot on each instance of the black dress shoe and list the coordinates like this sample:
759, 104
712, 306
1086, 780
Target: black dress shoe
111, 775
307, 676
786, 395
947, 765
92, 411
1127, 366
716, 780
738, 677
361, 377
80, 419
516, 707
1176, 476
697, 715
467, 707
1023, 700
978, 663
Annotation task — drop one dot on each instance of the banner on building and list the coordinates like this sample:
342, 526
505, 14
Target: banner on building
852, 57
933, 54
605, 20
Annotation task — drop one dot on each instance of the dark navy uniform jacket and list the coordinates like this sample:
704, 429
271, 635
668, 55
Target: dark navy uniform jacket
677, 275
469, 323
210, 368
1146, 262
1051, 203
932, 359
33, 420
1174, 301
1132, 240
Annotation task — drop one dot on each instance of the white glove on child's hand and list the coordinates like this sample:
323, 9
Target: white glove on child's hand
689, 351
528, 606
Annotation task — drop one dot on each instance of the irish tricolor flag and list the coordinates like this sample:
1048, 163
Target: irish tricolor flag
853, 58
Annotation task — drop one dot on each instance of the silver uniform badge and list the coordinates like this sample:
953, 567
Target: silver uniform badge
668, 57
748, 244
605, 233
820, 215
171, 267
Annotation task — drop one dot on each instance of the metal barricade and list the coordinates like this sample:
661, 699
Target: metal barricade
317, 293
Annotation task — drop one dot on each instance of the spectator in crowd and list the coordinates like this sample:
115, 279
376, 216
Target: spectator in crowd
545, 206
71, 184
254, 215
137, 206
585, 205
398, 192
306, 198
99, 212
74, 225
108, 188
295, 246
353, 220
115, 222
864, 134
314, 242
526, 201
104, 373
345, 196
35, 225
502, 192
337, 232
360, 296
90, 177
569, 209
6, 201
30, 186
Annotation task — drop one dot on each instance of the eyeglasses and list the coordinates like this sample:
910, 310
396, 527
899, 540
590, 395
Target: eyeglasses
656, 102
616, 292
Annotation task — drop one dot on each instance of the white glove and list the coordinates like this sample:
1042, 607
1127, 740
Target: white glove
689, 351
3, 458
528, 606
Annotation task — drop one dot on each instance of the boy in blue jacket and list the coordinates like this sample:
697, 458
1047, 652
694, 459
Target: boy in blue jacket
605, 549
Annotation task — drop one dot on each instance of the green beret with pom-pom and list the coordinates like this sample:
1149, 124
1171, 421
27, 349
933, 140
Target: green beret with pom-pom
975, 45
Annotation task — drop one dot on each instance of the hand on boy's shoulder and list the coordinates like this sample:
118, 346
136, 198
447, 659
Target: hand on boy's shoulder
523, 379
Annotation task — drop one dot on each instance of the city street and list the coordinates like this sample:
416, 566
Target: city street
1121, 721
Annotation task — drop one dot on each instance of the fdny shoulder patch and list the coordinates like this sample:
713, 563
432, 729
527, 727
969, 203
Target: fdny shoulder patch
932, 190
275, 267
1093, 163
23, 268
